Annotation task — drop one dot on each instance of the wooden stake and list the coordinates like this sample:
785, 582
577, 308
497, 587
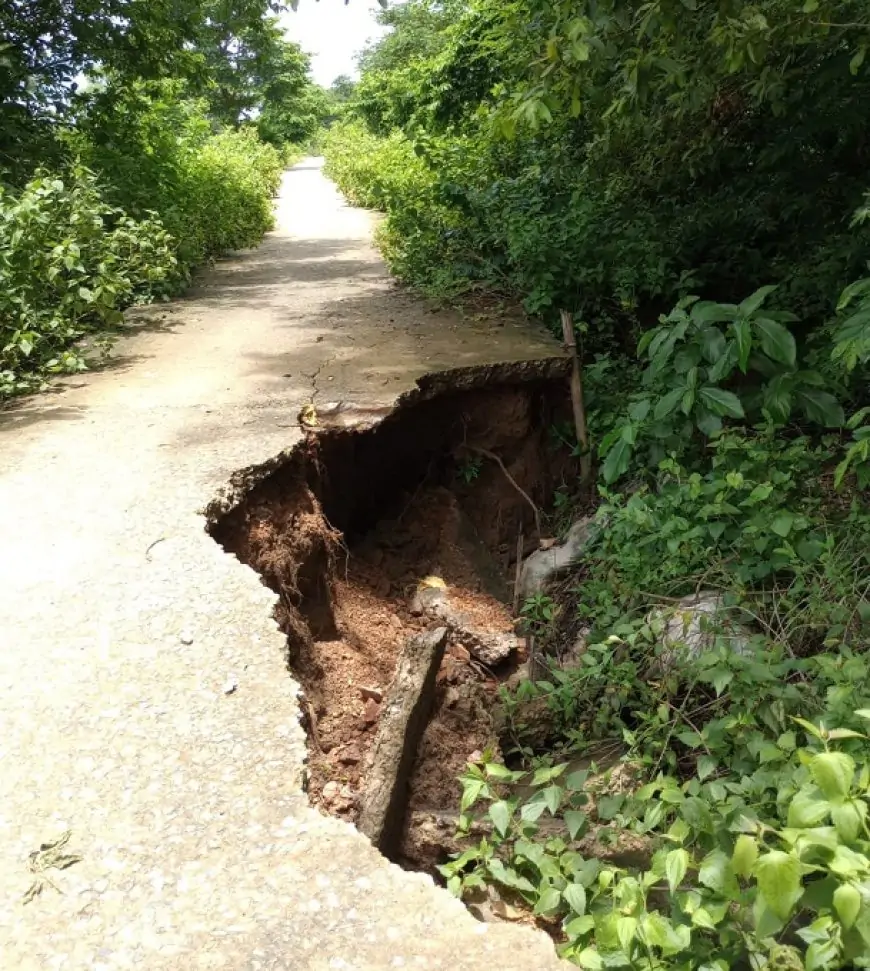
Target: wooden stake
518, 574
577, 396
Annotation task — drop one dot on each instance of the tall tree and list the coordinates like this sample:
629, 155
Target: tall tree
47, 45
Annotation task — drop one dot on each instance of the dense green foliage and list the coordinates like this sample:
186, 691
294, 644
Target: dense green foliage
68, 263
648, 149
137, 141
688, 180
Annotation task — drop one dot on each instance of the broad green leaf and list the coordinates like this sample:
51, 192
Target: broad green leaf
495, 770
712, 343
707, 422
549, 901
743, 340
721, 679
808, 808
833, 773
590, 958
848, 818
617, 461
575, 897
776, 341
547, 774
588, 872
721, 402
509, 877
745, 854
779, 881
666, 404
700, 918
847, 863
472, 789
715, 870
696, 812
579, 926
532, 811
708, 312
676, 865
781, 524
552, 797
576, 822
658, 931
640, 409
809, 726
500, 813
576, 781
847, 903
821, 407
837, 733
707, 765
608, 806
748, 306
626, 928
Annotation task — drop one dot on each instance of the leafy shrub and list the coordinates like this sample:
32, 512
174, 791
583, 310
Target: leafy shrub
753, 828
689, 356
226, 194
155, 150
69, 263
169, 193
387, 174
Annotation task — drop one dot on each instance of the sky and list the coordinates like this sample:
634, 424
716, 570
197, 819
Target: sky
332, 33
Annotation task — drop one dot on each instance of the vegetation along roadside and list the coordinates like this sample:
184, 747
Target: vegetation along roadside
687, 183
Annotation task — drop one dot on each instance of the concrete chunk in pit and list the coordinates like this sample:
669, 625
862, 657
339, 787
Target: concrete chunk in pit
404, 716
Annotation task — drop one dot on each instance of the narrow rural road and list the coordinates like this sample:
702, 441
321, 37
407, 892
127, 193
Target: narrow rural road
124, 627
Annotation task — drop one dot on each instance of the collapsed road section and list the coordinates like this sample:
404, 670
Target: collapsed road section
372, 535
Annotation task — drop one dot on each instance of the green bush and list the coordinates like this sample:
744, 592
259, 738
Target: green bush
69, 263
371, 171
746, 773
156, 151
157, 193
751, 848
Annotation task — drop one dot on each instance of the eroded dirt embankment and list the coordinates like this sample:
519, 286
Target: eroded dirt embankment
345, 529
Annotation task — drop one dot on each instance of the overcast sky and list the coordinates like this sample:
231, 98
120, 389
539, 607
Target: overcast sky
332, 33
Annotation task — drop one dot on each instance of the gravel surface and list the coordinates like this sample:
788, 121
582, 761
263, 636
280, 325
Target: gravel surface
144, 704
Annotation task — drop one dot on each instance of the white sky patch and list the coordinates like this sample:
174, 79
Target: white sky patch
333, 34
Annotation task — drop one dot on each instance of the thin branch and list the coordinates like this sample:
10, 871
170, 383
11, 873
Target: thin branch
491, 455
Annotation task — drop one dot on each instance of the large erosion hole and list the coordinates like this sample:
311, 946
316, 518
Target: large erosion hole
345, 529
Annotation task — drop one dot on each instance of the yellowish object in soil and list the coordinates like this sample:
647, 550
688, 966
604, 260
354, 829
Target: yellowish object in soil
308, 416
436, 582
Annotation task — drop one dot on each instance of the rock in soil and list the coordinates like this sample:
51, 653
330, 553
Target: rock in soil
487, 646
692, 626
406, 709
546, 564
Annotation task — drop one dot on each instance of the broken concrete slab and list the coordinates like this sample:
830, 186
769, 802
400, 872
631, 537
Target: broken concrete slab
403, 720
489, 647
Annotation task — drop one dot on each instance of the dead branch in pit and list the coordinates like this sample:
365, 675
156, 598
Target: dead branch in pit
491, 455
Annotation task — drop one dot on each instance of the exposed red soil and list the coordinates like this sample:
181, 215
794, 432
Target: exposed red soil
345, 595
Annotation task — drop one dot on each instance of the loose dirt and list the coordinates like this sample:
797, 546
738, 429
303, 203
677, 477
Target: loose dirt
345, 531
